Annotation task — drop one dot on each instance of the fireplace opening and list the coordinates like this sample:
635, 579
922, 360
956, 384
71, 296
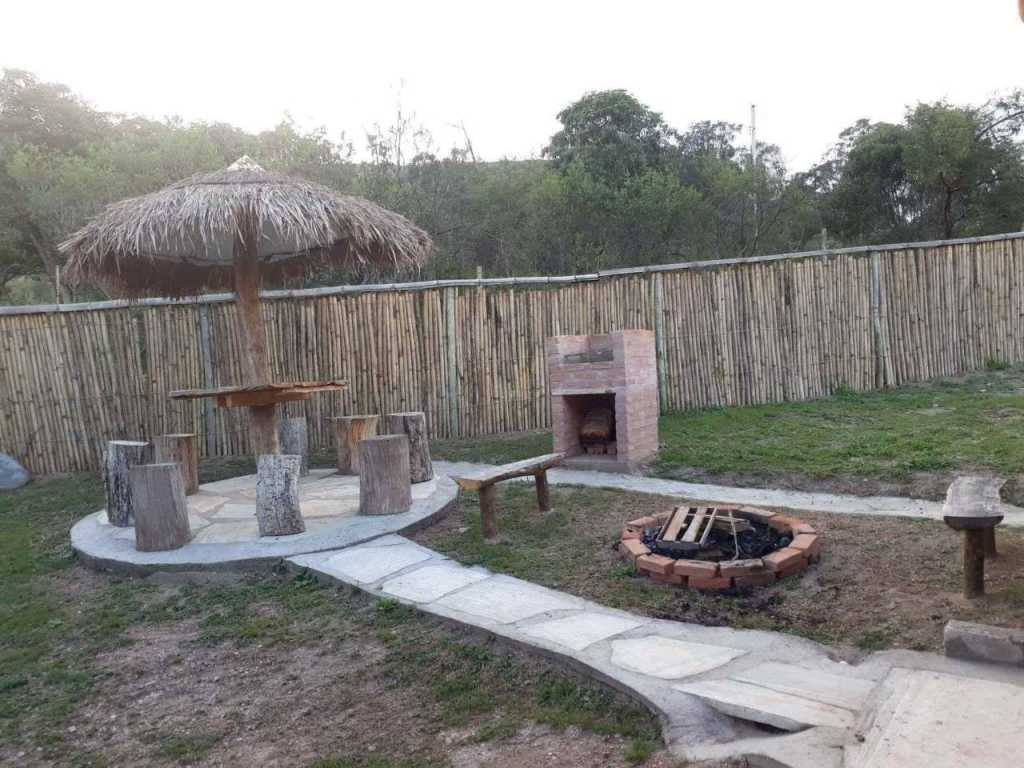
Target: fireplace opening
594, 417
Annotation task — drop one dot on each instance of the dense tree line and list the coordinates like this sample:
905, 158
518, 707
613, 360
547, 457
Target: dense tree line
616, 185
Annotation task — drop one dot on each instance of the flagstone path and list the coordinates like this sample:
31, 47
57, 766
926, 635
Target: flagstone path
771, 498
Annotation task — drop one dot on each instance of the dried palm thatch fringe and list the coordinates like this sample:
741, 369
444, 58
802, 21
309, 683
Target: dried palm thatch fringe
180, 240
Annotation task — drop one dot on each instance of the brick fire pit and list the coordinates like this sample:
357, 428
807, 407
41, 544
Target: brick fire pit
799, 546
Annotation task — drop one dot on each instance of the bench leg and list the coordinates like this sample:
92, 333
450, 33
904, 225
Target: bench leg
543, 493
974, 563
990, 543
488, 518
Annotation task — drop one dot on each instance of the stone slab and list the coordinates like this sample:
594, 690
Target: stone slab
369, 564
762, 705
668, 658
506, 600
943, 721
582, 630
980, 642
432, 582
826, 688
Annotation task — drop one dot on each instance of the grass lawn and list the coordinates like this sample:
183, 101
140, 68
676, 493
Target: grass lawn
882, 583
907, 441
97, 670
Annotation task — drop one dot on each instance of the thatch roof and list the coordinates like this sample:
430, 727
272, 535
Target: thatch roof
180, 240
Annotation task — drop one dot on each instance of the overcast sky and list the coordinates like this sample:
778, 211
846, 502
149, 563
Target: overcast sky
504, 70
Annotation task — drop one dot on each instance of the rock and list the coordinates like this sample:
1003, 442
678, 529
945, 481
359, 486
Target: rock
979, 642
12, 474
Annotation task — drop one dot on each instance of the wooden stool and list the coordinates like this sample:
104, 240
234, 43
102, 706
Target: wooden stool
161, 513
384, 485
348, 432
277, 495
295, 440
974, 507
121, 456
180, 449
485, 483
414, 426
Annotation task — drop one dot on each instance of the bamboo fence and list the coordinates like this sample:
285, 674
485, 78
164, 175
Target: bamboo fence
470, 353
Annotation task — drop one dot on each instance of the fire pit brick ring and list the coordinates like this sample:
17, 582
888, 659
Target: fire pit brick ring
708, 547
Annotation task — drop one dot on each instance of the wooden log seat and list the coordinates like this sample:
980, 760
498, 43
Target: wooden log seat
294, 439
385, 487
120, 457
974, 507
181, 450
485, 482
414, 426
161, 514
349, 431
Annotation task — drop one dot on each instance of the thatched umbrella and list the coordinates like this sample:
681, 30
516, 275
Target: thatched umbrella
232, 229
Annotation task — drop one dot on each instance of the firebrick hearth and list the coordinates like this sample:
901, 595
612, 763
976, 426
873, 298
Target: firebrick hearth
604, 399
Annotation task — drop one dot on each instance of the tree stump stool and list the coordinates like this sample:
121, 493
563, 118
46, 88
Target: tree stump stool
384, 484
277, 495
180, 449
414, 426
348, 432
295, 440
121, 456
161, 512
974, 507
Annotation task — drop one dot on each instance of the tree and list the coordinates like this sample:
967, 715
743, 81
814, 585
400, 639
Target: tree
612, 135
944, 171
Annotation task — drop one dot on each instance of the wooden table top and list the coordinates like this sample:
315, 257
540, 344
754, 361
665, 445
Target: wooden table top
260, 394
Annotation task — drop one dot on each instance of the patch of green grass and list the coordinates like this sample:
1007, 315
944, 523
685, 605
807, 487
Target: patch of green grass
974, 423
876, 639
493, 449
640, 749
187, 748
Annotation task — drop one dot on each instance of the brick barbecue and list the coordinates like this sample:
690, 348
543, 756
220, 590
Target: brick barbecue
604, 399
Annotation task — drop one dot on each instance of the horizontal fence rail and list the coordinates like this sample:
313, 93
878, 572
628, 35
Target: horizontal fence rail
470, 353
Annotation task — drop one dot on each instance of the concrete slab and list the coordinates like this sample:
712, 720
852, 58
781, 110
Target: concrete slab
233, 540
826, 688
369, 564
431, 582
762, 705
581, 630
504, 600
942, 721
980, 642
669, 659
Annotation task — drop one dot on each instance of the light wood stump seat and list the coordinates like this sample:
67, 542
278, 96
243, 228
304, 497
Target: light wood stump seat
349, 431
485, 482
974, 507
181, 450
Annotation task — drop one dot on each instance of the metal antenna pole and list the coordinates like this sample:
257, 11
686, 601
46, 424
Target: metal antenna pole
753, 167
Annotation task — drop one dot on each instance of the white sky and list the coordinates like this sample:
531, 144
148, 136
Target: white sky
505, 70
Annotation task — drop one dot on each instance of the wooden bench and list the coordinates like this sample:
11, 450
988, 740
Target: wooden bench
974, 507
485, 483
